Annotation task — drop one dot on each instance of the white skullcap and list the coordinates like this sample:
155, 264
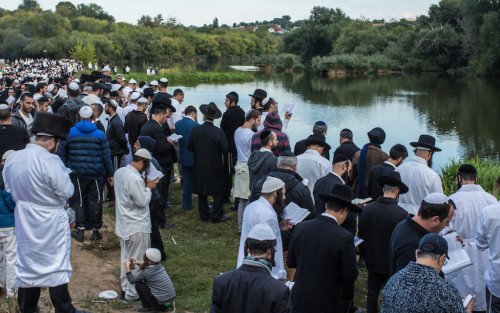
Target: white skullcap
73, 86
272, 184
119, 75
4, 107
126, 91
49, 95
142, 100
86, 112
135, 95
100, 103
139, 90
153, 254
265, 100
106, 69
154, 83
114, 103
132, 81
143, 153
37, 96
10, 99
436, 198
6, 154
115, 87
163, 80
77, 80
87, 88
50, 87
262, 232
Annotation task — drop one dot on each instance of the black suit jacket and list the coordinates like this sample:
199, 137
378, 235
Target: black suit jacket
374, 189
249, 289
376, 224
300, 147
325, 258
347, 148
164, 152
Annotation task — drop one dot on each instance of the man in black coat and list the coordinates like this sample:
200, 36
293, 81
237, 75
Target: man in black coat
251, 288
325, 258
397, 155
347, 146
233, 118
319, 127
135, 120
376, 224
263, 161
208, 143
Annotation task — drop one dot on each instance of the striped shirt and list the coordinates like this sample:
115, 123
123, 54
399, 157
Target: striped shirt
157, 279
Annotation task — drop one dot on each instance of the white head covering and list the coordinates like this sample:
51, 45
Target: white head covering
115, 87
143, 153
86, 112
37, 96
163, 80
436, 198
135, 95
132, 81
154, 83
272, 184
153, 254
50, 87
142, 100
106, 69
4, 107
73, 86
262, 232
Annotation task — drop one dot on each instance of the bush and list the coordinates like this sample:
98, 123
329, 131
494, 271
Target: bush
488, 171
354, 63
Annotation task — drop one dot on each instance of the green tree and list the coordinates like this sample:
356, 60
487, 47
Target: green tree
83, 52
95, 11
66, 9
29, 5
215, 23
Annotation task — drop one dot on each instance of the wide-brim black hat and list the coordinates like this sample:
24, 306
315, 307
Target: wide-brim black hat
343, 194
259, 94
164, 102
426, 141
210, 110
51, 124
393, 179
148, 92
317, 139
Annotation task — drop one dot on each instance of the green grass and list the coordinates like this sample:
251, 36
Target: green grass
488, 171
175, 78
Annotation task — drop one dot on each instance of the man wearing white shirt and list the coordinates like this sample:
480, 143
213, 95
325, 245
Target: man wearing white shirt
418, 176
243, 141
470, 200
134, 97
266, 210
176, 100
133, 223
311, 165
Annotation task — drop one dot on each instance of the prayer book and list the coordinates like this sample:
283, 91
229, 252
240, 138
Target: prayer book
154, 173
295, 213
458, 257
357, 241
175, 137
289, 107
359, 202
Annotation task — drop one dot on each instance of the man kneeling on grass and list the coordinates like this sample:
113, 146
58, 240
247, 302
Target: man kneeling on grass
152, 283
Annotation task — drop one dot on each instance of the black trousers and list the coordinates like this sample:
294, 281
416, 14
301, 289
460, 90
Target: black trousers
115, 159
218, 208
375, 283
87, 199
229, 162
164, 184
27, 298
155, 210
147, 298
492, 302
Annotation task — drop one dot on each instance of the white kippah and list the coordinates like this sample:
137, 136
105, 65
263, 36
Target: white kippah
163, 80
142, 100
272, 184
143, 153
73, 86
153, 254
154, 83
86, 112
262, 232
132, 81
265, 100
436, 198
37, 96
50, 87
4, 107
115, 87
135, 95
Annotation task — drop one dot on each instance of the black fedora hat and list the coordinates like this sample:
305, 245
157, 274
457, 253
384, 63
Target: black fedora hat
426, 141
51, 124
259, 94
210, 110
343, 194
317, 139
393, 179
164, 101
148, 92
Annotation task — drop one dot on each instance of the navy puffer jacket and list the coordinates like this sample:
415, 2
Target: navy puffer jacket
86, 152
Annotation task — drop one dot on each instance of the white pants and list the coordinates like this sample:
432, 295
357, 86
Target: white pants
134, 247
8, 249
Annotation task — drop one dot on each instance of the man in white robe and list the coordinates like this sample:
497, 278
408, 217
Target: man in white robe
418, 176
469, 201
265, 210
40, 185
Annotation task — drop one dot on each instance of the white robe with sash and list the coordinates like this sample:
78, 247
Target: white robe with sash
40, 184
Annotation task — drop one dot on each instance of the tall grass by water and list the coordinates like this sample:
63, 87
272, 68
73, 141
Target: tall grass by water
338, 65
194, 76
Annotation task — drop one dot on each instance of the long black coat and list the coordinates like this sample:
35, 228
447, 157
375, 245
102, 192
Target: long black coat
208, 143
116, 136
164, 151
249, 289
300, 147
347, 148
325, 258
374, 189
233, 118
376, 225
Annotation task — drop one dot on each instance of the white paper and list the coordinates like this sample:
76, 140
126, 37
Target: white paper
289, 107
357, 241
458, 258
174, 137
295, 213
290, 284
153, 173
358, 201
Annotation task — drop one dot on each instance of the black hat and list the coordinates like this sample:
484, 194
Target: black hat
287, 153
393, 179
317, 139
51, 124
259, 94
166, 102
426, 141
433, 243
343, 194
210, 110
467, 169
146, 92
376, 135
340, 158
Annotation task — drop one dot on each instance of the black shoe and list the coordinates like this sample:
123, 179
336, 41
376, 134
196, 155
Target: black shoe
222, 219
234, 208
96, 235
167, 225
79, 235
146, 310
122, 295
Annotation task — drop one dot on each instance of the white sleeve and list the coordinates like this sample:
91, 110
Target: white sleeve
59, 180
140, 194
481, 238
285, 123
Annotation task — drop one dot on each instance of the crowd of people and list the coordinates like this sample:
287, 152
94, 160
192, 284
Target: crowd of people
72, 143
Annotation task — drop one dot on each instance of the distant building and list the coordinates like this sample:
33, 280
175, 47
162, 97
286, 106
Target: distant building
392, 20
410, 19
252, 28
275, 29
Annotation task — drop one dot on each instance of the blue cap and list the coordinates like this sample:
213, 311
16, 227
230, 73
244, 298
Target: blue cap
433, 243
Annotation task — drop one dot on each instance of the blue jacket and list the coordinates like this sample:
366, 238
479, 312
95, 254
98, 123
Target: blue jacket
86, 152
184, 127
7, 205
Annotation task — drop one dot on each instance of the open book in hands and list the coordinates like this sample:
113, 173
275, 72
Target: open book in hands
289, 108
458, 257
295, 213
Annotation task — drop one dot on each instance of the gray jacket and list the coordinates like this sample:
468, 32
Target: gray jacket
17, 120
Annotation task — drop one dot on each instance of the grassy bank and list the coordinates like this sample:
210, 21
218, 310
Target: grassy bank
488, 171
176, 78
339, 65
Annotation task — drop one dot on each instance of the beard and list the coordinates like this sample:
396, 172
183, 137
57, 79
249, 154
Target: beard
429, 163
279, 204
254, 127
345, 176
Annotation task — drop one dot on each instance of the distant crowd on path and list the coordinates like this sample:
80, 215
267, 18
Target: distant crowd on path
64, 141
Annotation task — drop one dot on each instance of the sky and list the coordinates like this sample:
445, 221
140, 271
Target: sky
199, 12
